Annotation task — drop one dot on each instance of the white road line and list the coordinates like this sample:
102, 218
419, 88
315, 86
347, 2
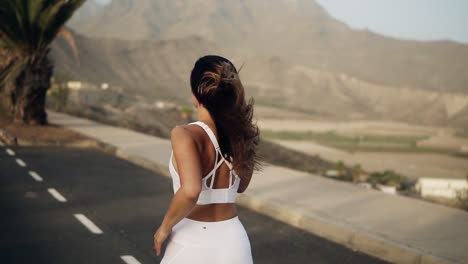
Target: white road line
57, 195
88, 224
10, 152
130, 259
21, 163
35, 176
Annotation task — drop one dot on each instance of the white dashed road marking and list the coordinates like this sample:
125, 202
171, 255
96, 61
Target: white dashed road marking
130, 259
35, 176
21, 163
57, 195
88, 224
81, 217
10, 152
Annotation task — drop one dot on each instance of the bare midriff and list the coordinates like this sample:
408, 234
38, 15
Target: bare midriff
213, 212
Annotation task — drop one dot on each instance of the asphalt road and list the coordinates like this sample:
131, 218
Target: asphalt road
65, 205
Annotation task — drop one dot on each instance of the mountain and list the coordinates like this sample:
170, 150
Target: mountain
294, 56
159, 70
152, 68
299, 31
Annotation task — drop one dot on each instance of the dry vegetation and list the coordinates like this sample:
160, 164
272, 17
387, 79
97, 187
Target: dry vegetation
39, 135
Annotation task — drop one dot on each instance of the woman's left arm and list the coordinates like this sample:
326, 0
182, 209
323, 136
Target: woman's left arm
189, 169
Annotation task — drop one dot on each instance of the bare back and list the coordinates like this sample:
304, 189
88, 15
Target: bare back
216, 211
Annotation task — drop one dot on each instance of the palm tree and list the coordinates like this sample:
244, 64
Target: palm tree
27, 28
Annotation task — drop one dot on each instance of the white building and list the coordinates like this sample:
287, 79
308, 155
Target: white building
77, 85
74, 85
446, 188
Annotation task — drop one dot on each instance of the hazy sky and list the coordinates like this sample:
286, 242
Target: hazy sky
103, 1
411, 19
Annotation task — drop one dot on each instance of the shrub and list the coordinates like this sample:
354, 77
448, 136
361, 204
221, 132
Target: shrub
340, 167
357, 172
388, 177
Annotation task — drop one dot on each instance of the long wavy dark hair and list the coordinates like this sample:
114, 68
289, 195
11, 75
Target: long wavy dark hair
216, 84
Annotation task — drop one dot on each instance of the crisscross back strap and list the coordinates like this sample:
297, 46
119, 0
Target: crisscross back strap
209, 132
213, 139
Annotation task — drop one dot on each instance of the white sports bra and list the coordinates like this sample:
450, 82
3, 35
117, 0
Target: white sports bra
209, 194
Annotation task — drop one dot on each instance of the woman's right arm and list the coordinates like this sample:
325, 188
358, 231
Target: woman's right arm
189, 170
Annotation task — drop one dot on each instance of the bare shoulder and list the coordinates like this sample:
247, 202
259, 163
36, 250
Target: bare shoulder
183, 134
179, 131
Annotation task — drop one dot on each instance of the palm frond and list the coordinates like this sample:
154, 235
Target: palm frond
10, 27
28, 26
71, 42
59, 19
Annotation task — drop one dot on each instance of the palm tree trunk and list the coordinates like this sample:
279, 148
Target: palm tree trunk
31, 88
9, 65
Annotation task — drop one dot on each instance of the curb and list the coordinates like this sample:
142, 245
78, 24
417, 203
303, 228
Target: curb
145, 163
352, 238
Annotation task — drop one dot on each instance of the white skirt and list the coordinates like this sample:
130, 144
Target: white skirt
197, 242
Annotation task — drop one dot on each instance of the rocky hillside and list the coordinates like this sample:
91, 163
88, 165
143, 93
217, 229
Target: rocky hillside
294, 56
299, 31
159, 69
154, 69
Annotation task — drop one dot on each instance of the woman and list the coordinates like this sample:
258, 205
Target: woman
214, 159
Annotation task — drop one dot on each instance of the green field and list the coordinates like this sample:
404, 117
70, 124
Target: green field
358, 142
